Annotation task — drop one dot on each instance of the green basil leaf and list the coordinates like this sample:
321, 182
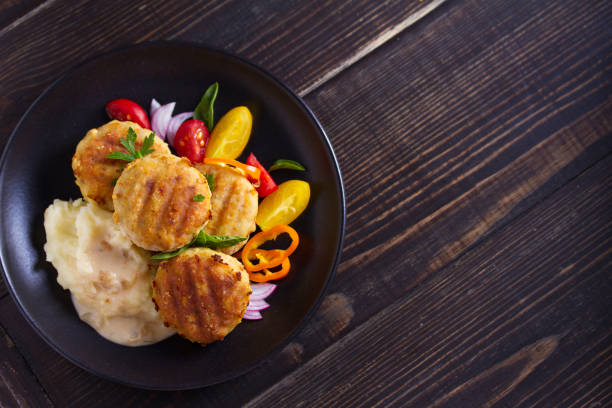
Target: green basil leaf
205, 109
286, 164
202, 240
198, 197
171, 254
216, 241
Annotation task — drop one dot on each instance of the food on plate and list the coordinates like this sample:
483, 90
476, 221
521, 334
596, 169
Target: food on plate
284, 205
266, 183
284, 164
267, 259
108, 276
193, 211
190, 140
234, 204
231, 134
127, 110
202, 294
161, 202
205, 109
95, 173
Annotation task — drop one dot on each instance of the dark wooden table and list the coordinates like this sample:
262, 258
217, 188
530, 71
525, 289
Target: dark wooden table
474, 137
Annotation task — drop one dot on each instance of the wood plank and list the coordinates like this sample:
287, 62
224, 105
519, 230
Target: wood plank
521, 320
43, 47
12, 12
18, 386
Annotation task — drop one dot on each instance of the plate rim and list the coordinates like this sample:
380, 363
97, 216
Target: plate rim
337, 180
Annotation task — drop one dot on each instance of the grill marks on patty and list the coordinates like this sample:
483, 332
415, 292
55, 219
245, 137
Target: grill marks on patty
154, 204
234, 204
202, 294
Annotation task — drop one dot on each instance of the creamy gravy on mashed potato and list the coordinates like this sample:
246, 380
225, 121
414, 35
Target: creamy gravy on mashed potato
109, 278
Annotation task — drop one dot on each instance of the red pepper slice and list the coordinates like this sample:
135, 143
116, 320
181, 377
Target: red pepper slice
266, 183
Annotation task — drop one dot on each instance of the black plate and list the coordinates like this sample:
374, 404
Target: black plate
36, 168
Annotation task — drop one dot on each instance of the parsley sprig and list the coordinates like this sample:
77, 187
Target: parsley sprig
210, 178
129, 144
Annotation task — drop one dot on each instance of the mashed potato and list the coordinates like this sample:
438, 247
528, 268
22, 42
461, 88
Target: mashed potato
109, 278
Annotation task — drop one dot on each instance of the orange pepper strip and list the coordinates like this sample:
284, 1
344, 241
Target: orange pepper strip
259, 239
269, 275
268, 258
252, 173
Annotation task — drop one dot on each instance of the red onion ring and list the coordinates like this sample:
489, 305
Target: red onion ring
262, 290
257, 302
257, 305
160, 119
154, 106
174, 124
252, 315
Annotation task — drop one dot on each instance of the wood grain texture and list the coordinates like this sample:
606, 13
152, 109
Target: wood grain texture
292, 39
12, 12
511, 322
18, 386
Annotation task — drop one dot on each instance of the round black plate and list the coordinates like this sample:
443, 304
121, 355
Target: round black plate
36, 168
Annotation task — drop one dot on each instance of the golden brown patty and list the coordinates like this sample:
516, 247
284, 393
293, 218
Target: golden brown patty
234, 204
95, 174
161, 202
202, 294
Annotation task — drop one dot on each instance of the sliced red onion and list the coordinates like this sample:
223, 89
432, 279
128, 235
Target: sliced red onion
252, 315
174, 124
160, 119
154, 106
262, 290
257, 302
257, 305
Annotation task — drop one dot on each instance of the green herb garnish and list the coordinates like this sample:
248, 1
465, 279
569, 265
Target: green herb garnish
286, 164
205, 111
211, 181
114, 182
216, 241
171, 254
129, 144
198, 197
202, 240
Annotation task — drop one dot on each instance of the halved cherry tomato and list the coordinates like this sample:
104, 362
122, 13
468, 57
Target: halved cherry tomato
125, 109
266, 183
190, 140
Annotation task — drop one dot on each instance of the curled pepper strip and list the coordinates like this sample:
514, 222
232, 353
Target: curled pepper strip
268, 258
252, 173
269, 275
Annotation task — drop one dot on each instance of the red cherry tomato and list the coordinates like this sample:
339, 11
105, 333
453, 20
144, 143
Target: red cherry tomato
190, 140
124, 109
266, 183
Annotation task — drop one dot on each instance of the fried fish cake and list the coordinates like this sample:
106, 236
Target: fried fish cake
234, 204
161, 202
95, 174
202, 294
